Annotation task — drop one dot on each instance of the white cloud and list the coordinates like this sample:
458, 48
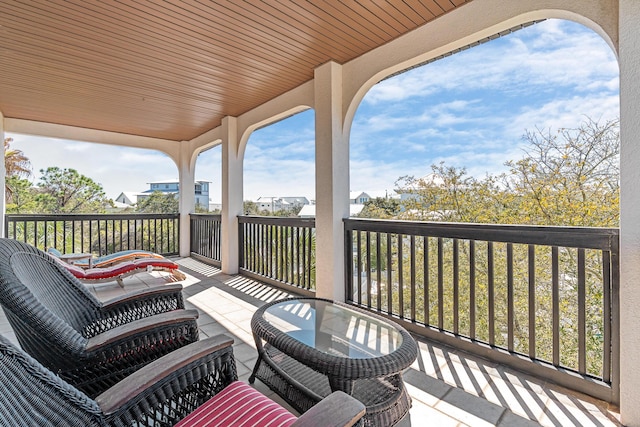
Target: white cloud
569, 112
547, 54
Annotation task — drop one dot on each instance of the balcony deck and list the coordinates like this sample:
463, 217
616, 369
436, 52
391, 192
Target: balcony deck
448, 387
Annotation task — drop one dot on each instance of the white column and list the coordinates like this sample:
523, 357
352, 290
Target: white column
3, 173
332, 181
231, 194
186, 171
629, 59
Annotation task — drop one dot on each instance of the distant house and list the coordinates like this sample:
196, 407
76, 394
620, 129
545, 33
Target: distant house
357, 199
362, 197
274, 204
309, 211
127, 198
167, 187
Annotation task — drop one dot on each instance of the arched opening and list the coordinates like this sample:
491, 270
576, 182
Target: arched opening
123, 173
279, 167
522, 129
209, 172
479, 109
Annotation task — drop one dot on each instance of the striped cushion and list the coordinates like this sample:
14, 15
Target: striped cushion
121, 269
239, 405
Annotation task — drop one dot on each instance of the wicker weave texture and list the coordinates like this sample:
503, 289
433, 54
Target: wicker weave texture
54, 316
303, 375
34, 397
180, 393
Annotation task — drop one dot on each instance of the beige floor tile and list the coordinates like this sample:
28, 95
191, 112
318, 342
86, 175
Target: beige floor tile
522, 401
422, 415
469, 409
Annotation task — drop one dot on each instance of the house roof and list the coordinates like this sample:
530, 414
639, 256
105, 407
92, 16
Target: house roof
371, 194
309, 211
177, 181
173, 70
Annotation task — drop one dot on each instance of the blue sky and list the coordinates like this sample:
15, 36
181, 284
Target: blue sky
468, 110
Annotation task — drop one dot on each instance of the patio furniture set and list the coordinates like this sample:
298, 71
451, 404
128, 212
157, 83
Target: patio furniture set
137, 360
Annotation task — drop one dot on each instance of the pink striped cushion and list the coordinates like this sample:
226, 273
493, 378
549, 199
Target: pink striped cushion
239, 405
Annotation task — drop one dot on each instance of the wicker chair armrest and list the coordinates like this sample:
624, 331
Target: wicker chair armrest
193, 368
174, 289
139, 327
336, 410
136, 305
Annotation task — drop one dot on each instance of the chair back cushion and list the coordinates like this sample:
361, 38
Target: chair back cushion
239, 404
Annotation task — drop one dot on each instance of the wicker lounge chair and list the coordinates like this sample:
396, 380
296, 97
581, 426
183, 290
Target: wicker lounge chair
123, 269
108, 260
117, 266
90, 344
161, 393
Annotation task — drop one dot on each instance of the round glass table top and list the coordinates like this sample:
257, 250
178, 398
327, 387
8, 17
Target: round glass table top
334, 329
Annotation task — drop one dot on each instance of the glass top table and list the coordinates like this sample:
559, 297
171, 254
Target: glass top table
310, 347
334, 329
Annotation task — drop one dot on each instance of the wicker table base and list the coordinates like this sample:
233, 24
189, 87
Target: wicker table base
386, 399
303, 375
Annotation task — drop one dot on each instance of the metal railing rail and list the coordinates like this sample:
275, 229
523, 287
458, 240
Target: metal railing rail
206, 237
541, 299
100, 234
280, 251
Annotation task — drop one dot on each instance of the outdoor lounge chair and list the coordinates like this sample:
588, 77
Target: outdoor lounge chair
117, 266
123, 269
161, 393
90, 344
109, 260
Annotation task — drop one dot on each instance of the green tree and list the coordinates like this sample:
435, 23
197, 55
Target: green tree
199, 208
159, 202
22, 199
380, 207
251, 208
569, 177
450, 194
17, 166
67, 191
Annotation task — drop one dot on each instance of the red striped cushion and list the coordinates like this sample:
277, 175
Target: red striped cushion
239, 405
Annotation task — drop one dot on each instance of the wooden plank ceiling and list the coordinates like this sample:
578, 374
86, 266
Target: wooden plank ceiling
172, 69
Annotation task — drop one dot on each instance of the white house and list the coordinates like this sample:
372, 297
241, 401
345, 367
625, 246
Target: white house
127, 198
362, 197
309, 211
273, 204
167, 187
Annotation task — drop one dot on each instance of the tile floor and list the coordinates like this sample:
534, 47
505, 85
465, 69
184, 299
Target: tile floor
448, 388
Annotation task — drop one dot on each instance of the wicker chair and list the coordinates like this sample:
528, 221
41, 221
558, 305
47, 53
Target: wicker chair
160, 394
90, 344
